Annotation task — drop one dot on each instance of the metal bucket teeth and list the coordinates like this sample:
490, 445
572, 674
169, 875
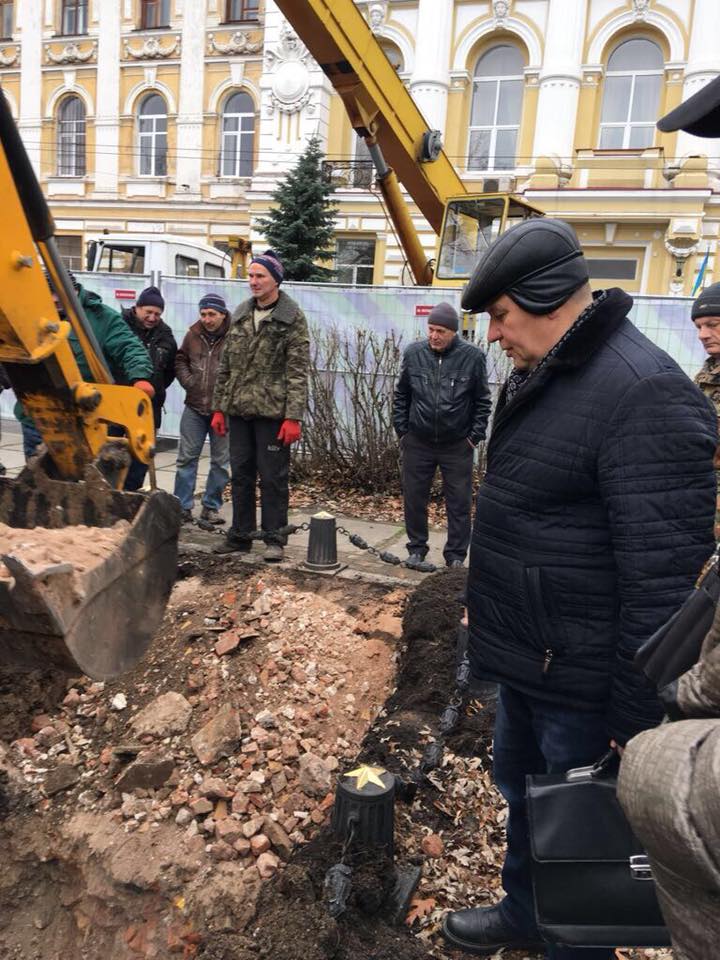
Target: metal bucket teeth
99, 622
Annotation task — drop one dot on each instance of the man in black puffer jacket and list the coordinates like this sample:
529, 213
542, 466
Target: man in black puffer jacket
442, 405
593, 521
145, 321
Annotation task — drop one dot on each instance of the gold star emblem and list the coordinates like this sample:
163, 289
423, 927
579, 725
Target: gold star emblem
365, 775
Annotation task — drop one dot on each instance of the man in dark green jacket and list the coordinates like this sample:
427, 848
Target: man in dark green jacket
262, 388
126, 357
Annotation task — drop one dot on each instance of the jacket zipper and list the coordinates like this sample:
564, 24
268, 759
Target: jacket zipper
437, 396
547, 660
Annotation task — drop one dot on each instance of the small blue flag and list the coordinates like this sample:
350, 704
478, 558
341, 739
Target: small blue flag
701, 272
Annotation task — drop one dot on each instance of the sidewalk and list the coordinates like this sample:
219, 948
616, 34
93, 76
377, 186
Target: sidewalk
380, 535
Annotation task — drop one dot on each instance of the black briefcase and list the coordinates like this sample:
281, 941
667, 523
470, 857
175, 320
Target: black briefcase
591, 878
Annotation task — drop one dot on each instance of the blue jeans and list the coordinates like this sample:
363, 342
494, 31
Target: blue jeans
31, 439
194, 427
536, 736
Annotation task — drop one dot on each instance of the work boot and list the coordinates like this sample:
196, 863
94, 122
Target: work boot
414, 559
274, 553
187, 516
484, 930
211, 516
233, 545
453, 564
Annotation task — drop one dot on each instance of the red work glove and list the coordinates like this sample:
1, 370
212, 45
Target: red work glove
146, 387
217, 424
289, 432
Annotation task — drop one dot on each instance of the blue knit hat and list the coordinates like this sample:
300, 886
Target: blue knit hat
213, 301
150, 297
272, 264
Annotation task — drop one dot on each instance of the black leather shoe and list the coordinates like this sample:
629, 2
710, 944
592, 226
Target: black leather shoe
484, 930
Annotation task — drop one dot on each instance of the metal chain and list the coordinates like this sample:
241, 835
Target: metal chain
422, 566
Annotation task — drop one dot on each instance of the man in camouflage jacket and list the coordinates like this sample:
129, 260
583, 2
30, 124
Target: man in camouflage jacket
261, 395
706, 317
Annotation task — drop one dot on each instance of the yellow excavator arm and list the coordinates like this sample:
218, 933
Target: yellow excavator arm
65, 603
403, 148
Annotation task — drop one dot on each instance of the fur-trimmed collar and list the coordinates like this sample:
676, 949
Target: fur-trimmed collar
595, 330
284, 311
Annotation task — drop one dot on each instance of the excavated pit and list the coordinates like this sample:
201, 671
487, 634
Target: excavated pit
184, 810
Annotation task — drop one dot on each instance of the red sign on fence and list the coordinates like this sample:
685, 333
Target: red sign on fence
125, 295
423, 309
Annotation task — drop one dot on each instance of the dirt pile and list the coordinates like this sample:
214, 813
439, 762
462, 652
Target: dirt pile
78, 547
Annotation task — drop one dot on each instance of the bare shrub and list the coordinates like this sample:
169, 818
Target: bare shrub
348, 437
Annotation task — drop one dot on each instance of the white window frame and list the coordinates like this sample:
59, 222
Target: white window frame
629, 125
151, 137
71, 143
495, 127
239, 136
354, 267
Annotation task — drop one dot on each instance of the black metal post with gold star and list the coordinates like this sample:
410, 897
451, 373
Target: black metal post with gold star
364, 819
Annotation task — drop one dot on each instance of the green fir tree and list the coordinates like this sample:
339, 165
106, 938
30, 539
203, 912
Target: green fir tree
300, 227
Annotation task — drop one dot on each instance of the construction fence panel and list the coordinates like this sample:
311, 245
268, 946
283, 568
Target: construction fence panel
401, 311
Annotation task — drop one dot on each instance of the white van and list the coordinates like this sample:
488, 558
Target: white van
155, 253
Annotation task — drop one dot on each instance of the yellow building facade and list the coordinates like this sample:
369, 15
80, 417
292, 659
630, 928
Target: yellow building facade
180, 116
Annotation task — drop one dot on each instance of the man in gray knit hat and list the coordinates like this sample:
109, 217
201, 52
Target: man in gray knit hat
442, 405
706, 317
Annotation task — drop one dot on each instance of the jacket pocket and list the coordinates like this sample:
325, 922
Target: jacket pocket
547, 630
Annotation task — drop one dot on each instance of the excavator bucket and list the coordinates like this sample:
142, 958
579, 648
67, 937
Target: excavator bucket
85, 572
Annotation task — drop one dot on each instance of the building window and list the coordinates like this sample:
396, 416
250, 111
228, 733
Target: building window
631, 97
496, 108
154, 13
71, 138
355, 261
70, 250
238, 10
392, 53
238, 136
74, 16
614, 268
152, 136
6, 19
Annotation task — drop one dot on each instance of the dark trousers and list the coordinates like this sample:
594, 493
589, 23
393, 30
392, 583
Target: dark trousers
256, 451
420, 460
534, 736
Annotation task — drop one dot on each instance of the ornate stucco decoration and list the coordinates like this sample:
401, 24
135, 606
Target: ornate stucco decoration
287, 61
377, 15
152, 49
238, 43
640, 8
8, 59
501, 8
71, 53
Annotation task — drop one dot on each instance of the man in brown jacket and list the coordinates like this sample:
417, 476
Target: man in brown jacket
196, 366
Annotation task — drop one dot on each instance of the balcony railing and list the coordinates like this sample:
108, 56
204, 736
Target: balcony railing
349, 173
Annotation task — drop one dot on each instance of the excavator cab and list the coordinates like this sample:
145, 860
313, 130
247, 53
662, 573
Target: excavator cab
85, 568
470, 225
